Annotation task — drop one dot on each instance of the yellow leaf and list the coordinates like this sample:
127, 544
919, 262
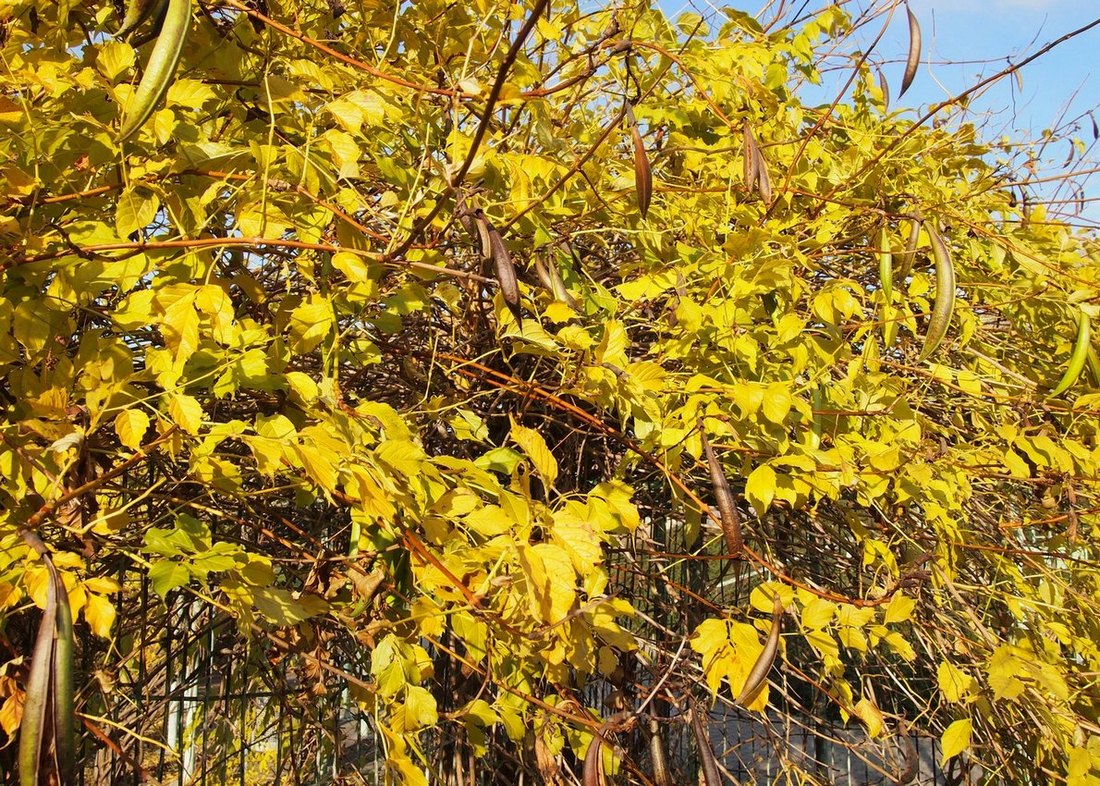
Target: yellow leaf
100, 615
186, 412
113, 58
11, 712
956, 739
131, 425
899, 609
872, 718
550, 581
818, 613
710, 636
777, 402
102, 585
954, 682
317, 466
310, 323
760, 488
532, 443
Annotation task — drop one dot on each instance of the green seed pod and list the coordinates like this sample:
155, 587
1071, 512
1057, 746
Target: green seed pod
1079, 357
944, 306
161, 68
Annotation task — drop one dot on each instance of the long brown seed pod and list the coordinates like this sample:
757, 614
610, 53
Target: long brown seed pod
662, 776
758, 675
944, 306
884, 86
711, 776
502, 264
727, 509
913, 60
593, 762
643, 175
751, 157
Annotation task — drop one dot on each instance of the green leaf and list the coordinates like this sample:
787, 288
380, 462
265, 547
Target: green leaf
166, 576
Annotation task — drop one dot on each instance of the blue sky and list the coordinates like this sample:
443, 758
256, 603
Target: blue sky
967, 40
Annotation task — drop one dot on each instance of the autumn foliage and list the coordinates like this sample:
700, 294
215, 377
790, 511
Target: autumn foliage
771, 376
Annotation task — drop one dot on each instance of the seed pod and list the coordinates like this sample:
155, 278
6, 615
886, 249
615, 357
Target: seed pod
731, 521
758, 675
46, 733
136, 13
662, 776
1079, 357
155, 28
544, 275
945, 295
160, 69
913, 60
884, 86
751, 158
886, 276
643, 175
711, 776
763, 180
910, 254
502, 264
64, 711
593, 763
1094, 367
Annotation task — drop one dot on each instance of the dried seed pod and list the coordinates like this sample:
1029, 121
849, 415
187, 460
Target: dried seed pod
751, 157
161, 68
643, 175
884, 86
913, 60
945, 295
662, 775
1079, 356
886, 277
593, 763
727, 509
711, 776
758, 675
502, 264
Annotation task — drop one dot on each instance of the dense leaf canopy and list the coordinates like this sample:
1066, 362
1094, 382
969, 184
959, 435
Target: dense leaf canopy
265, 351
